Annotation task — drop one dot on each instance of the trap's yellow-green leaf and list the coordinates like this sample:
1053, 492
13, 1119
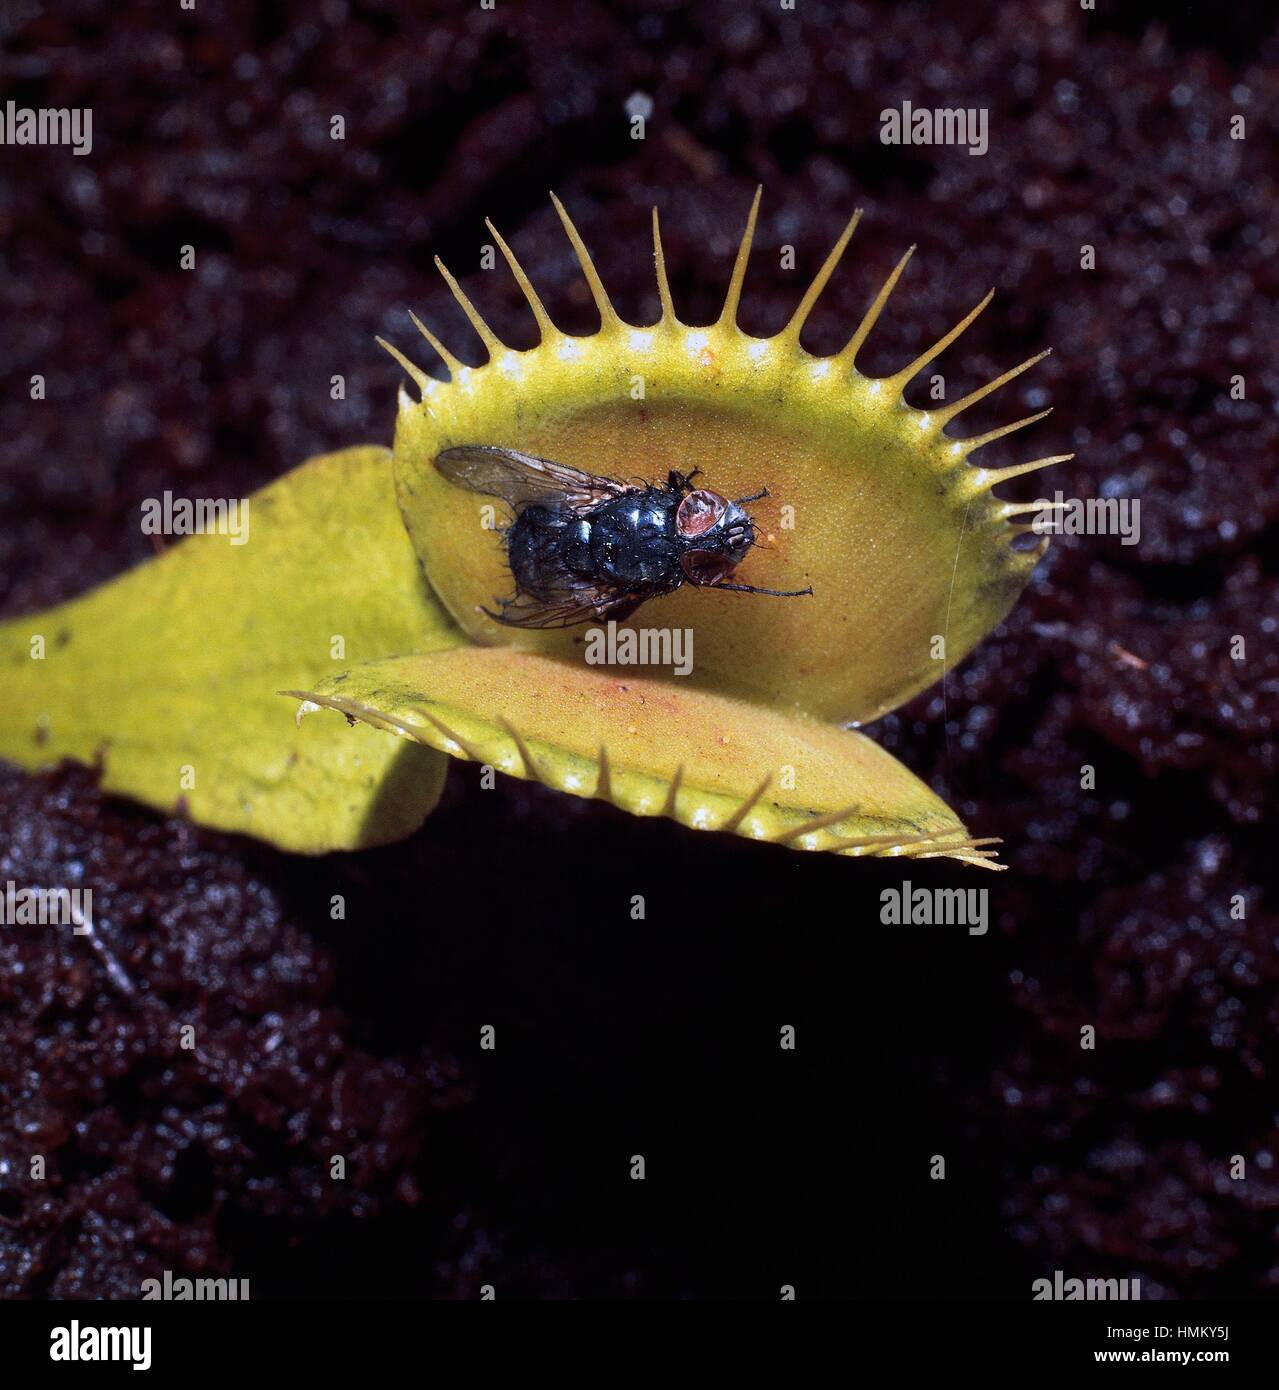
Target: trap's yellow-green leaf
167, 675
655, 747
873, 503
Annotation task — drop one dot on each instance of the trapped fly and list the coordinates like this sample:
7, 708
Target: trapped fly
585, 547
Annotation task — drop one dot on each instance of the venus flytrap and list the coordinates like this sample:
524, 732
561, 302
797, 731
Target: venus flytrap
899, 535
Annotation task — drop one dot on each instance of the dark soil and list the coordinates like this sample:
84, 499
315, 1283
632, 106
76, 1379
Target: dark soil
511, 907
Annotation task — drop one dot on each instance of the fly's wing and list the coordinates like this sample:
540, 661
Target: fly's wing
520, 479
579, 603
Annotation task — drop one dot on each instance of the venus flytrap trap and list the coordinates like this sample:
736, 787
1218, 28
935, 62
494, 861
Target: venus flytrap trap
899, 537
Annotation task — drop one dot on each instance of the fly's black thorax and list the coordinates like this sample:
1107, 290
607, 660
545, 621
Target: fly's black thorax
629, 541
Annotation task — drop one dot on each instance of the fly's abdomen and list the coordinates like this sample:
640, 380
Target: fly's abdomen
537, 547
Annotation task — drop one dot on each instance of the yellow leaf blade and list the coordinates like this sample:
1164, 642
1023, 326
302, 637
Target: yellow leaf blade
167, 675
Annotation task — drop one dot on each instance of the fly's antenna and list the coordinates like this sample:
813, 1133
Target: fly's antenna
751, 589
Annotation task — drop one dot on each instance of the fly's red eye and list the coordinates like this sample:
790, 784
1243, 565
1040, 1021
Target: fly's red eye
698, 512
705, 567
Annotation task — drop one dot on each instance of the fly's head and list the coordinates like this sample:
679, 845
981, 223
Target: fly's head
717, 535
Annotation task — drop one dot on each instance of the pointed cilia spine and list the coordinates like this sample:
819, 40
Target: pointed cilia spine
608, 315
663, 284
798, 319
847, 359
843, 364
728, 315
545, 327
